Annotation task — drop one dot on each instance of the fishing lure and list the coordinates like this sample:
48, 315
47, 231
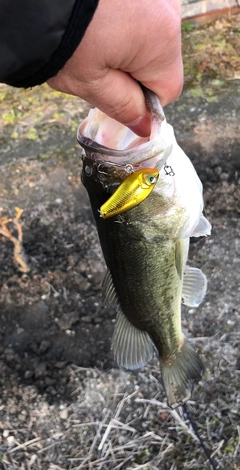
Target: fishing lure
131, 192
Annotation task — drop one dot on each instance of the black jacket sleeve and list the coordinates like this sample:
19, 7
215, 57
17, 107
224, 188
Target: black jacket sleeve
37, 37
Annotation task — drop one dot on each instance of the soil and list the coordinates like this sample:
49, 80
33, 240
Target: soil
60, 387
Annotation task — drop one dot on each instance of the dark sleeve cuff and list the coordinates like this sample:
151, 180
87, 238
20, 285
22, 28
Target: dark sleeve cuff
81, 16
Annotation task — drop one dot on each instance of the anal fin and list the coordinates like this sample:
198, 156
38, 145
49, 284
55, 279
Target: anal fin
132, 348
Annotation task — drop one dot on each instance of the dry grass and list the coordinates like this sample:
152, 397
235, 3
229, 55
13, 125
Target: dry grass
119, 421
116, 420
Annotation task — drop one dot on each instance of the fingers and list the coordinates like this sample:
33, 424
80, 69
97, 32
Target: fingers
127, 43
162, 69
169, 85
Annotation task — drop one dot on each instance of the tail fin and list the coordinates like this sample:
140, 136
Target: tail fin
178, 377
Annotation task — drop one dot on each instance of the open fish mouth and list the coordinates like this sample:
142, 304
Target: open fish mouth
107, 140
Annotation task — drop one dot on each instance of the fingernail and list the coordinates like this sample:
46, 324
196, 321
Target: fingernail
141, 126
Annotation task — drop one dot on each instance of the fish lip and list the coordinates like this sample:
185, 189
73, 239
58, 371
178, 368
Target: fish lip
91, 146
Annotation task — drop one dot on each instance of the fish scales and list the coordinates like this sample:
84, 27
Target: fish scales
143, 273
146, 249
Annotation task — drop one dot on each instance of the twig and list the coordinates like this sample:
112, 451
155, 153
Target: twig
40, 451
119, 466
25, 444
94, 441
238, 444
202, 443
174, 414
115, 425
110, 425
218, 448
18, 252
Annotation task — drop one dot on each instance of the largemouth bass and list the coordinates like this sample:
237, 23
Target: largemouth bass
146, 247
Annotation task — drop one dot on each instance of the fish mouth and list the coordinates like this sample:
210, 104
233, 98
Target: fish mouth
107, 140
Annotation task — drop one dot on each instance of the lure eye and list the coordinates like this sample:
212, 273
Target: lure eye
87, 170
152, 179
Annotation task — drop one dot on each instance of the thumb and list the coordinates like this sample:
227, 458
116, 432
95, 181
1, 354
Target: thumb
114, 92
120, 96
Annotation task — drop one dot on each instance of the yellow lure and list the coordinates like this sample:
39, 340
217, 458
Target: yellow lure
131, 192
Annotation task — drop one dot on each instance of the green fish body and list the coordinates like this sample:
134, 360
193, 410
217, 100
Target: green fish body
146, 251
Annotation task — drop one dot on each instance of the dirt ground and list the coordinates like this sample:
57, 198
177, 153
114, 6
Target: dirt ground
64, 403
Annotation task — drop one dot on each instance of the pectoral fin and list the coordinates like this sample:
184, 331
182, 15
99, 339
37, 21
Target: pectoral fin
179, 262
194, 286
132, 348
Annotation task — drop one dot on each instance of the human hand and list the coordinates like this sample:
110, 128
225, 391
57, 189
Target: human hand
127, 41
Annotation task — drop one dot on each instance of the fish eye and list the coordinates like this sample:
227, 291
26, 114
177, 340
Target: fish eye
87, 170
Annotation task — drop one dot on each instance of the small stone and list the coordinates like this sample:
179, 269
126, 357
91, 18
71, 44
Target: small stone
13, 410
22, 417
28, 374
10, 441
60, 364
64, 414
49, 381
10, 355
70, 332
44, 346
40, 370
97, 320
86, 320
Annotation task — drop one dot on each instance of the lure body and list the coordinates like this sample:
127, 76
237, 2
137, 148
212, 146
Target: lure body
131, 192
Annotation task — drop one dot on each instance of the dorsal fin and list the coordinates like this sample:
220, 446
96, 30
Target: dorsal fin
109, 296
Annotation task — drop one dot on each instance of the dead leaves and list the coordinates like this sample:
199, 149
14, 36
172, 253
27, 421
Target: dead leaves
18, 252
211, 55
